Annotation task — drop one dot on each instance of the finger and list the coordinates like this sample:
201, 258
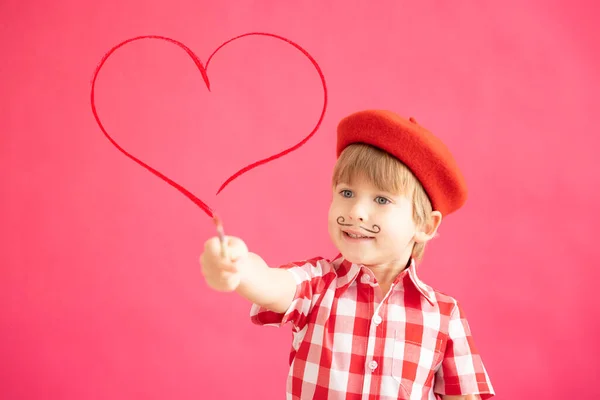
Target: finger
224, 276
214, 250
212, 246
229, 267
211, 264
223, 249
236, 248
218, 267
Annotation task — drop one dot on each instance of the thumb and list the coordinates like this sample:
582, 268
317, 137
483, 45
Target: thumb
236, 248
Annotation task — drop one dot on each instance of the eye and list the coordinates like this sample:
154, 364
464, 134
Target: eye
346, 193
381, 200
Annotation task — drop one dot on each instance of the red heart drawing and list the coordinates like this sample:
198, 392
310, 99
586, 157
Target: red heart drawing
203, 71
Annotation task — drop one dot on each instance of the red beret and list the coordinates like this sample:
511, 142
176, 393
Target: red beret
424, 154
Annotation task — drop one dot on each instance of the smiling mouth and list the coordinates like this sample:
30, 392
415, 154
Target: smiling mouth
356, 236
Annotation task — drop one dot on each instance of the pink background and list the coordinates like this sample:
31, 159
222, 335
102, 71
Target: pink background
101, 294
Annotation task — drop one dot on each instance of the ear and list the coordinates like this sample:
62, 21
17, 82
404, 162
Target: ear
429, 230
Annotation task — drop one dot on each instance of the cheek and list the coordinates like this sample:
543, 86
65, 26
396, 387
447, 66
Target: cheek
394, 226
335, 210
399, 234
392, 233
332, 216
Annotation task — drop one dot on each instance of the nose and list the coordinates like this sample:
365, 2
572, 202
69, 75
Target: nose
358, 212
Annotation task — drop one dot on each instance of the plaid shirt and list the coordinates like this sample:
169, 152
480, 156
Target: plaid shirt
351, 341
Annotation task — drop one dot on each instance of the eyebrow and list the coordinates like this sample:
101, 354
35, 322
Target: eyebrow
378, 191
390, 194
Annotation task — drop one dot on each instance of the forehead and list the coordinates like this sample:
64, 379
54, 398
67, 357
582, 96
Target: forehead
373, 167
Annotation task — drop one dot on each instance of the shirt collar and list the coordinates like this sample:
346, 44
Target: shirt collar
347, 273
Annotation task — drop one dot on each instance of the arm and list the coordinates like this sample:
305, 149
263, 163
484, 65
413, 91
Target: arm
462, 370
270, 288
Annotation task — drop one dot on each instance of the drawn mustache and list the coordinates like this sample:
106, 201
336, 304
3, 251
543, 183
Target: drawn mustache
341, 221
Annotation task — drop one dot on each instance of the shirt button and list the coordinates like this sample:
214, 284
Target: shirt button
377, 320
373, 365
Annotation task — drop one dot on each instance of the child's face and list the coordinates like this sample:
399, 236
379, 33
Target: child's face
369, 226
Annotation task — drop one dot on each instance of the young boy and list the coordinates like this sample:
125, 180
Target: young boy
364, 325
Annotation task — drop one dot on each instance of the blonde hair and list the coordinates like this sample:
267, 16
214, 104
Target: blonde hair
388, 174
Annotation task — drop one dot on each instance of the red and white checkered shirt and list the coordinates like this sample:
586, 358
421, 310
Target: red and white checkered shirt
351, 342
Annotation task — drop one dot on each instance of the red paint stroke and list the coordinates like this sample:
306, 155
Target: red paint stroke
203, 72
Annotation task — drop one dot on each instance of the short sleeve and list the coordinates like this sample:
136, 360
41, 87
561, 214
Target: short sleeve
309, 277
462, 371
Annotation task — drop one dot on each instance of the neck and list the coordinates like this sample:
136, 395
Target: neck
387, 273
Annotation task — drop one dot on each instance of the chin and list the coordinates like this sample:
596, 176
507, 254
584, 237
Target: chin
355, 258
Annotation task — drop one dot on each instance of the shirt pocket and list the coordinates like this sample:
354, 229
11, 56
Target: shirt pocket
416, 362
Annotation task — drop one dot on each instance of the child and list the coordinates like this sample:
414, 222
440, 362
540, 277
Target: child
364, 325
